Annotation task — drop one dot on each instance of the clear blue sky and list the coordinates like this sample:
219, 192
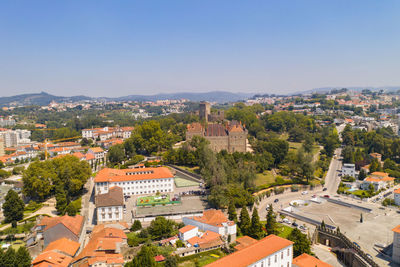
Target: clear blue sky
115, 48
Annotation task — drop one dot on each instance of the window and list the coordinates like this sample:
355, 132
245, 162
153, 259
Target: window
282, 255
288, 252
269, 261
288, 264
276, 258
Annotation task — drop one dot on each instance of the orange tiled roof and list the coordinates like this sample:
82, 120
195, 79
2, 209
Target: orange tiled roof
96, 149
213, 217
244, 242
305, 260
54, 259
74, 224
396, 229
186, 228
253, 253
64, 245
397, 191
207, 237
370, 179
115, 175
381, 174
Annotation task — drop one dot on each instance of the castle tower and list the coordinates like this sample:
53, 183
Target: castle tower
204, 110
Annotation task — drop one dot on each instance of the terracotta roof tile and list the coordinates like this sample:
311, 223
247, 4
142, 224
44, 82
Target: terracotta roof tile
114, 197
396, 229
54, 259
186, 228
114, 175
74, 224
253, 253
244, 242
305, 260
64, 245
213, 217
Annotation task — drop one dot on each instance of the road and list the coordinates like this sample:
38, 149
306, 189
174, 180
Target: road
332, 179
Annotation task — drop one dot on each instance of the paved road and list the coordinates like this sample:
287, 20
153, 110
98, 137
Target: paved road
332, 179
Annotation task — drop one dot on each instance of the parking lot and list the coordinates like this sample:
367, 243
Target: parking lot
376, 226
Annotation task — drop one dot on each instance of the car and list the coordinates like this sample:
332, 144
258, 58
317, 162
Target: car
324, 189
327, 196
313, 196
287, 221
295, 224
304, 192
369, 256
276, 200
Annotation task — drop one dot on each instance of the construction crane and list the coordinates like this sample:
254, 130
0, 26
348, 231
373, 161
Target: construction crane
57, 140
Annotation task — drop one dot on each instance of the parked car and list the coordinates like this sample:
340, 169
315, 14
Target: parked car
324, 189
295, 224
287, 221
304, 192
327, 196
313, 196
369, 256
276, 200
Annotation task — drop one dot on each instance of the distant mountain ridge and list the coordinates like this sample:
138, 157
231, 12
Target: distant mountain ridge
43, 98
356, 89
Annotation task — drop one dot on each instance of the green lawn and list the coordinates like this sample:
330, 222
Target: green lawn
155, 200
202, 258
264, 178
181, 182
284, 230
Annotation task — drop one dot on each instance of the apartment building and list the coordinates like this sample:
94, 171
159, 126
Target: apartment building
139, 181
109, 206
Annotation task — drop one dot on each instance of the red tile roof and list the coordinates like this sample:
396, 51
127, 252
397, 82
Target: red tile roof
186, 228
53, 259
115, 175
74, 224
396, 229
305, 260
213, 217
253, 253
207, 237
244, 242
64, 245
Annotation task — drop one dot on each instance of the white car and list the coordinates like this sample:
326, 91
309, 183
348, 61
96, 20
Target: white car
304, 192
287, 221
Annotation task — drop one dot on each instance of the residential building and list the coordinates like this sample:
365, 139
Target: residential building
214, 221
305, 260
380, 180
109, 206
2, 151
187, 232
397, 197
103, 249
54, 228
98, 153
349, 169
105, 133
244, 242
231, 136
205, 241
135, 181
396, 244
53, 259
271, 251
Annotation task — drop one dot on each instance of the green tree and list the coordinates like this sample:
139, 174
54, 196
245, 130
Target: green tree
374, 166
23, 258
116, 154
256, 230
71, 209
61, 201
362, 175
308, 144
137, 225
161, 227
232, 212
301, 243
171, 261
13, 207
271, 225
9, 258
145, 257
244, 222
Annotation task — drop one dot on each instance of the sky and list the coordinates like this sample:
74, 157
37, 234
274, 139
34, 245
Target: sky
116, 48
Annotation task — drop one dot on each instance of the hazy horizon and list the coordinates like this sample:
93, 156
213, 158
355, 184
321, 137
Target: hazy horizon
118, 48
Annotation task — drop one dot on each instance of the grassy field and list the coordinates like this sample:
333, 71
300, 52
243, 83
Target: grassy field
202, 259
195, 169
284, 230
154, 200
181, 182
264, 178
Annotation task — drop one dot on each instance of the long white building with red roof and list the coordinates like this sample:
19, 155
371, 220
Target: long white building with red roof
135, 181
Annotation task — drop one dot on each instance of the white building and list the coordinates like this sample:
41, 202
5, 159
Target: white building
397, 197
396, 244
107, 133
349, 169
135, 181
109, 206
98, 153
214, 221
271, 251
187, 232
13, 138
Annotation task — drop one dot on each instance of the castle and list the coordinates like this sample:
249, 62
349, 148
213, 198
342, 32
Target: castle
232, 136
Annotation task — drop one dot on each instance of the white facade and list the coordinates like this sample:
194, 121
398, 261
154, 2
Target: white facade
109, 214
138, 187
377, 185
280, 258
349, 170
188, 234
13, 138
224, 230
97, 155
